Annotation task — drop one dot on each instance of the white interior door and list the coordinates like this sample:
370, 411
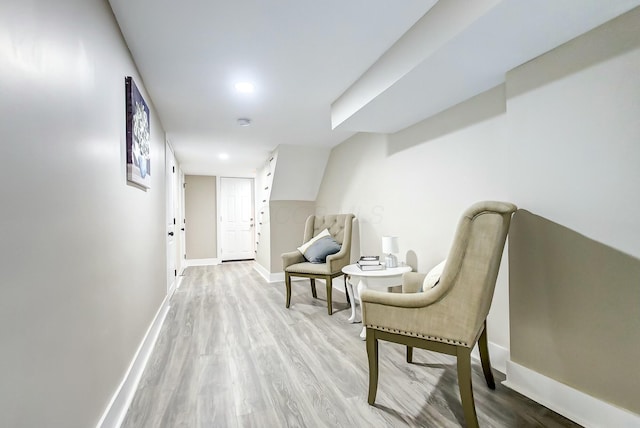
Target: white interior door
182, 249
236, 219
171, 179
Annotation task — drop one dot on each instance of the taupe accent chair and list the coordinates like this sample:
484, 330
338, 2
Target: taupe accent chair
295, 265
450, 317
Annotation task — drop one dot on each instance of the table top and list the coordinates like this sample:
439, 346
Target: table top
356, 271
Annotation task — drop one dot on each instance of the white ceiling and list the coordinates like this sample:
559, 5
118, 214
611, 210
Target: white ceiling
363, 61
469, 55
301, 54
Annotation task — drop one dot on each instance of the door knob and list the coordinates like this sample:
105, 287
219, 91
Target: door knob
170, 233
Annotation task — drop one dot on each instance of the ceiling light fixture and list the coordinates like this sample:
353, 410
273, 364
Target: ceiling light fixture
245, 87
223, 156
243, 121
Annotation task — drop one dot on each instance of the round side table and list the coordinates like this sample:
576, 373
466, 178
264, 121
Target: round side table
380, 279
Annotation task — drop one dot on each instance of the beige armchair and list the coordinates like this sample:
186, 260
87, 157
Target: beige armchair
450, 317
294, 263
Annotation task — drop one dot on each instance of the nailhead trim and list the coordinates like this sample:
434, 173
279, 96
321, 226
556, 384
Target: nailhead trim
408, 333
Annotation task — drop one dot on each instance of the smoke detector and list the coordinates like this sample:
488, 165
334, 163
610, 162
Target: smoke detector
243, 121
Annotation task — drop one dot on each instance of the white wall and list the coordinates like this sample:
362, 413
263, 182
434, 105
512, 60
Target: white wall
201, 218
83, 254
286, 223
298, 172
575, 134
415, 184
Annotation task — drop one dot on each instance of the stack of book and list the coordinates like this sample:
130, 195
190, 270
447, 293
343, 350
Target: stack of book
370, 263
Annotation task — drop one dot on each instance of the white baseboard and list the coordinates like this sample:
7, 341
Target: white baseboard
571, 403
497, 354
268, 276
202, 262
174, 286
117, 409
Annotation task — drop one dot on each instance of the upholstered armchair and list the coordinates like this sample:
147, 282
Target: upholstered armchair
451, 316
294, 263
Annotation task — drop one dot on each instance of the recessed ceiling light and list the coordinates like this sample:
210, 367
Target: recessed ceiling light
243, 121
223, 156
245, 87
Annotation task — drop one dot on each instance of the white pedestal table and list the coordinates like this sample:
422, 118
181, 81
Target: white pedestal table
375, 279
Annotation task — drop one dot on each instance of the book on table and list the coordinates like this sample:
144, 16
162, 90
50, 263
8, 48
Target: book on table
378, 266
369, 260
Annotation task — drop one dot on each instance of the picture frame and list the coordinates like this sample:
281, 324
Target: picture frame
138, 136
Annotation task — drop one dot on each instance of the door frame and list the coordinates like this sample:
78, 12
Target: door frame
173, 213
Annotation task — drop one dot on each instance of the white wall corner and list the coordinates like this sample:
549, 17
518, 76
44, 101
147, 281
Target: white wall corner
117, 408
569, 402
268, 276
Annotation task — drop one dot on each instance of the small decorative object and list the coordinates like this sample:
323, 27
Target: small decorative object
370, 263
138, 136
389, 248
369, 260
379, 266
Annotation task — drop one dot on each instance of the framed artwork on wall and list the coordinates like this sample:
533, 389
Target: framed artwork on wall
138, 136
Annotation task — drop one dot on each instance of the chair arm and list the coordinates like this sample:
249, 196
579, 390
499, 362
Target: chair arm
338, 260
409, 300
291, 258
412, 282
429, 313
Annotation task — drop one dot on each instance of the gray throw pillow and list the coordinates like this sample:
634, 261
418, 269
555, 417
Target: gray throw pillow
319, 250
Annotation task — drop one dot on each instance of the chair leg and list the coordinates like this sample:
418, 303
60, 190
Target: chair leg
346, 293
484, 358
409, 354
329, 291
466, 389
287, 283
313, 288
372, 354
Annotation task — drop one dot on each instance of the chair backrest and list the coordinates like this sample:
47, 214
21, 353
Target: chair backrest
339, 226
474, 260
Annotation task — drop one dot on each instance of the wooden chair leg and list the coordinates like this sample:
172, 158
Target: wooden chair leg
372, 354
313, 288
346, 293
329, 292
287, 283
484, 358
409, 354
466, 388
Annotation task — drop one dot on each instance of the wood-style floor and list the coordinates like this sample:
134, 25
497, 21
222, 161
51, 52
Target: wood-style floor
231, 355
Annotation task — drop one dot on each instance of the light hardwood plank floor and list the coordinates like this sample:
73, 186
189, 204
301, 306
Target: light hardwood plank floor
231, 355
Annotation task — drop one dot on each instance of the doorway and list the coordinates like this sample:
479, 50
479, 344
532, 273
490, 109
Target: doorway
236, 219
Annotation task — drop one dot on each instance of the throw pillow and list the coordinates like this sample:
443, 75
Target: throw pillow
320, 249
433, 277
303, 247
